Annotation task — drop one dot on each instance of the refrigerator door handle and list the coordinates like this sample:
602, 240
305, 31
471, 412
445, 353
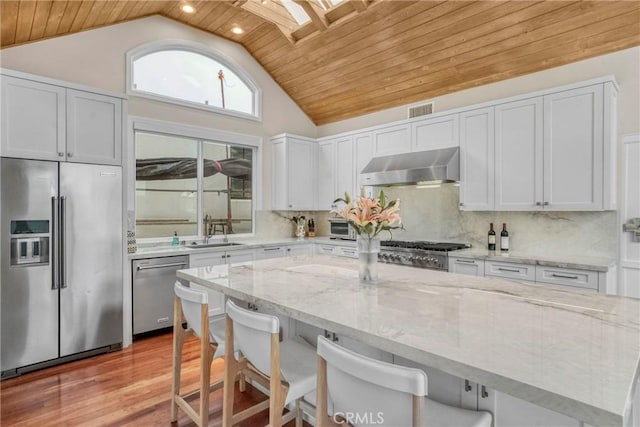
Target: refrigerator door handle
62, 238
54, 241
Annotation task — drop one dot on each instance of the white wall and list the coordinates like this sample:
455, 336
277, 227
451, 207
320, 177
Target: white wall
624, 65
97, 58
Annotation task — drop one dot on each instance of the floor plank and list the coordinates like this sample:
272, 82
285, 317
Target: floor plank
131, 387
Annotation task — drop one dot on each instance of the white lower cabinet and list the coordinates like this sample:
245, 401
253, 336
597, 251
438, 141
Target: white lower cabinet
211, 259
270, 252
468, 266
299, 250
507, 410
310, 334
510, 270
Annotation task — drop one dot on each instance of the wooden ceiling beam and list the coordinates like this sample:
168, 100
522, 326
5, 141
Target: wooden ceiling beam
316, 14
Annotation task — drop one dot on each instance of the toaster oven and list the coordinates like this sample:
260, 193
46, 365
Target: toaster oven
339, 228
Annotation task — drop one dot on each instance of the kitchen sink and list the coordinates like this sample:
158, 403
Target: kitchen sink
214, 245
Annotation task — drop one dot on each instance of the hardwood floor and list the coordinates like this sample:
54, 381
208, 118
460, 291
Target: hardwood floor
131, 387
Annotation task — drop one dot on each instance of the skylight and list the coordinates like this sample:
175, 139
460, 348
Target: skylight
297, 12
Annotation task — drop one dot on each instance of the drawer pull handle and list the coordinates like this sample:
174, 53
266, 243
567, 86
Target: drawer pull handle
510, 270
466, 261
271, 249
150, 267
564, 276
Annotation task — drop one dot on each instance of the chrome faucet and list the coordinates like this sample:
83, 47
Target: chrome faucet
207, 229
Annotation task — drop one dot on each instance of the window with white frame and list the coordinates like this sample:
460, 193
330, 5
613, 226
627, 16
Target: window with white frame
190, 74
193, 182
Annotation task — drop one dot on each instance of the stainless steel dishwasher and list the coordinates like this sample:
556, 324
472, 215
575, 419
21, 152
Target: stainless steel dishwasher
153, 281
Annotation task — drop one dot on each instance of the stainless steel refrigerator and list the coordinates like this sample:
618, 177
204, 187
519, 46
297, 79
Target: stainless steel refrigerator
61, 251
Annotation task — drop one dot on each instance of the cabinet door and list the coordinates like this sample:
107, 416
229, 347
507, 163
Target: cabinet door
433, 133
279, 188
567, 277
94, 128
477, 160
216, 299
326, 174
33, 120
241, 256
573, 149
363, 145
518, 165
510, 411
468, 266
392, 140
443, 387
299, 250
345, 162
301, 174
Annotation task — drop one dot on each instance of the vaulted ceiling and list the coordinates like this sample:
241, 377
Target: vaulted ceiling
362, 56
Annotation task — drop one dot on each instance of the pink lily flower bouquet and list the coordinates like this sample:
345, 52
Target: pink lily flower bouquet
369, 217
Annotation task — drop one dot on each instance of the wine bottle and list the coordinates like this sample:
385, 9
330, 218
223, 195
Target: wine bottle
504, 238
492, 238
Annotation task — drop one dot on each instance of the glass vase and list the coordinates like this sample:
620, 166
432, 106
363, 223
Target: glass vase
368, 250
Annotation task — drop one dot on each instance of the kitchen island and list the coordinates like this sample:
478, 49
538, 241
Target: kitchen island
571, 352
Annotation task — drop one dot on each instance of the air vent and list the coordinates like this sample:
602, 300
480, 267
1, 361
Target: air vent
421, 110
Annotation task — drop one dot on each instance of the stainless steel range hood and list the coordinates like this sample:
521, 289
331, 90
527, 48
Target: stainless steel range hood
434, 166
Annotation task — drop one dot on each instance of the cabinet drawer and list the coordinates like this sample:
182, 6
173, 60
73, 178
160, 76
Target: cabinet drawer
510, 270
567, 277
324, 249
469, 266
346, 252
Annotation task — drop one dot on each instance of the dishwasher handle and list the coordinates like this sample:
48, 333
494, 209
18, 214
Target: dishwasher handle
151, 267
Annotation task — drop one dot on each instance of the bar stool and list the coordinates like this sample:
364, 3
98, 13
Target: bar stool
194, 304
287, 369
366, 391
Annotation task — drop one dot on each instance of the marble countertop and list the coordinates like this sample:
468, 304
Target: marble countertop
572, 352
244, 243
561, 261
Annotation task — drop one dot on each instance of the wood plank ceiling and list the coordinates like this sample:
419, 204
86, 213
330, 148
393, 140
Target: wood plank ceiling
367, 56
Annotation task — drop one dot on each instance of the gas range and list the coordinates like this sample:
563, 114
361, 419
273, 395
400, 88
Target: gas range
420, 254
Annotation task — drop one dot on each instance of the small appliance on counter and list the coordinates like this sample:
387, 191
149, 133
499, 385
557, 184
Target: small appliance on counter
339, 229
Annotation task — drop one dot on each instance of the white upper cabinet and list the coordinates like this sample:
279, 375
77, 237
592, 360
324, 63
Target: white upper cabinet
293, 168
477, 159
45, 121
345, 163
391, 140
33, 120
336, 170
94, 128
433, 133
363, 146
326, 174
573, 149
518, 155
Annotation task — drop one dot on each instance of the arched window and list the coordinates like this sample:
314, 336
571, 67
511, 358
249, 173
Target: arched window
192, 75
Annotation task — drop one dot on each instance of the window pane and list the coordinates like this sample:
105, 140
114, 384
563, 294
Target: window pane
227, 188
191, 77
166, 185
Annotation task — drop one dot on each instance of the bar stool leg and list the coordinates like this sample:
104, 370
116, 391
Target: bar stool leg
230, 372
178, 342
206, 358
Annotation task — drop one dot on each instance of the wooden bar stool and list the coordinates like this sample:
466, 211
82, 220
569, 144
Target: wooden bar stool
194, 304
287, 369
365, 391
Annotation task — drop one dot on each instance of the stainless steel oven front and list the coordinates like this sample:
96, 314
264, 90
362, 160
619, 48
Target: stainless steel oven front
339, 229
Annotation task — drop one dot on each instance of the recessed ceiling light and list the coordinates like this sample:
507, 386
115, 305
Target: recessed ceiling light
237, 30
187, 8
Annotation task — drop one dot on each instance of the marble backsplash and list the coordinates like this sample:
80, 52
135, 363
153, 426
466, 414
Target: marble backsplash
432, 214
